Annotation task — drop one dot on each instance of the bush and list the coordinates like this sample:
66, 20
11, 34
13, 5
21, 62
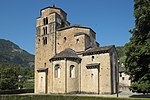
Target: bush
140, 87
17, 91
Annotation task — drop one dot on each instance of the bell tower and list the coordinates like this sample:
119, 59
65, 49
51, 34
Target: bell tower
51, 19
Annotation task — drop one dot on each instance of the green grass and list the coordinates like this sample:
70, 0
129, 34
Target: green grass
28, 85
61, 97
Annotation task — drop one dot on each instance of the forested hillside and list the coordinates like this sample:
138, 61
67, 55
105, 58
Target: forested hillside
16, 67
11, 53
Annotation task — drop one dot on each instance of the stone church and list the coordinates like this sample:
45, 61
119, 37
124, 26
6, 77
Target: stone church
69, 60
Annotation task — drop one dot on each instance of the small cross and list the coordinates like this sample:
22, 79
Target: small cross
53, 3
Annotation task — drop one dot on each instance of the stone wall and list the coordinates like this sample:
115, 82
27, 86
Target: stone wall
86, 78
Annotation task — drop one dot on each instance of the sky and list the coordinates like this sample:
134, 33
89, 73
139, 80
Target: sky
110, 19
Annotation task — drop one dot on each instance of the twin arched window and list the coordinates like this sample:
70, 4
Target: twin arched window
45, 21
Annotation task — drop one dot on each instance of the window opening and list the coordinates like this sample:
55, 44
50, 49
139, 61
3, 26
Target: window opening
72, 71
65, 39
77, 41
44, 40
57, 71
45, 30
92, 58
45, 21
120, 74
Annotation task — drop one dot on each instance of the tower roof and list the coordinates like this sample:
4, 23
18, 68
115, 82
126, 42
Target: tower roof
54, 7
67, 53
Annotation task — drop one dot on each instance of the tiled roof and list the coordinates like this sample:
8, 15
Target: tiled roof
67, 53
42, 69
98, 50
53, 7
92, 65
75, 26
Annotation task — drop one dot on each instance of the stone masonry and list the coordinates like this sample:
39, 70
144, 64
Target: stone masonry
69, 60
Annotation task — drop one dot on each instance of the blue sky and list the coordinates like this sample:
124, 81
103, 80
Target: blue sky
110, 19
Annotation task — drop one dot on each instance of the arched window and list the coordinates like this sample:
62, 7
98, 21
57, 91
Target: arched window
46, 20
72, 71
57, 71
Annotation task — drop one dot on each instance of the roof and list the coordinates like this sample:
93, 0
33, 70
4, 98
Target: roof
74, 26
54, 7
41, 69
92, 65
98, 50
67, 53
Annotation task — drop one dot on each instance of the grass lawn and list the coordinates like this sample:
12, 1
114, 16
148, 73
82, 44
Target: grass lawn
62, 97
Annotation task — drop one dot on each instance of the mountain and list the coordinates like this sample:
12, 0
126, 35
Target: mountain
10, 53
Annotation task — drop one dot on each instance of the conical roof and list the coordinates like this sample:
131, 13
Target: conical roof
67, 53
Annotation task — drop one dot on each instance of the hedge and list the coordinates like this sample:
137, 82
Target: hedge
17, 91
61, 97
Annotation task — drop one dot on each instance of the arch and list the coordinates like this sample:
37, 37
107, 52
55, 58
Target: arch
57, 71
72, 71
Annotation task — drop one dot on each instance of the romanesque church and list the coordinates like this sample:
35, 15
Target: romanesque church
69, 60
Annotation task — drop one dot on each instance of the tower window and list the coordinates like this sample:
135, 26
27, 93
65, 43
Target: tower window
44, 40
57, 71
45, 30
72, 71
45, 21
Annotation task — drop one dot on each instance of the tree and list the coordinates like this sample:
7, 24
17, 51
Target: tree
8, 78
13, 76
138, 49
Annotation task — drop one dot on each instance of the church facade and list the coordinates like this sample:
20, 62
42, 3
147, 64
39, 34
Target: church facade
69, 60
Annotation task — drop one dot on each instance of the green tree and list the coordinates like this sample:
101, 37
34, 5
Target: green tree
8, 78
138, 49
14, 76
